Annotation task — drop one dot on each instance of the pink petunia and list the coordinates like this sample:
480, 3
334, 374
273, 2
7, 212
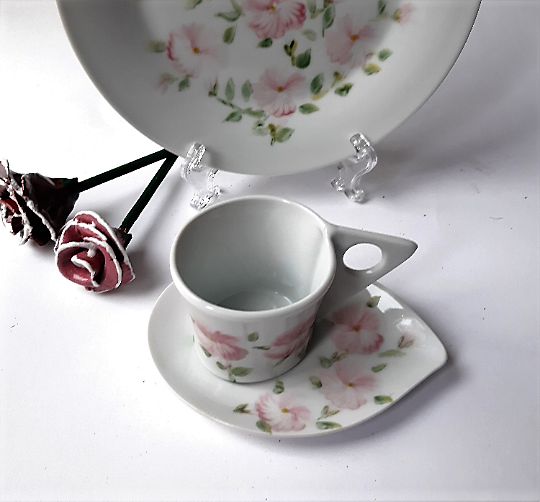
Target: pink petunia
219, 344
344, 42
357, 329
292, 342
345, 384
275, 91
273, 18
192, 48
281, 412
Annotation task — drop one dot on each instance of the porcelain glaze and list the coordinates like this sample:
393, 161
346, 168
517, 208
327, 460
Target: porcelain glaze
274, 262
364, 356
270, 87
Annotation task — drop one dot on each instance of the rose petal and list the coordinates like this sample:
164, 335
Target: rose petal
89, 252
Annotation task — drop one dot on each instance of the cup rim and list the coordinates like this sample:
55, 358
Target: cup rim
246, 315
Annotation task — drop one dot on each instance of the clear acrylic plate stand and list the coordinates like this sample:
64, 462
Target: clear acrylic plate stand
350, 171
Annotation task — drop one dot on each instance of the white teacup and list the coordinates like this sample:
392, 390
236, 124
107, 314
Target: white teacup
254, 272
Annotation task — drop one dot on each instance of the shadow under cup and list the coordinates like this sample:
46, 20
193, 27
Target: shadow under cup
255, 255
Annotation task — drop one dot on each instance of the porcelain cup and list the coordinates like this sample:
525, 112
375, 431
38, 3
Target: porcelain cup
256, 270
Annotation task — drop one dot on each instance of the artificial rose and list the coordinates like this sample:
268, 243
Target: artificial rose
91, 253
34, 206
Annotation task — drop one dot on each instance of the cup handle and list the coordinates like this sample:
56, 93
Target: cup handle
347, 281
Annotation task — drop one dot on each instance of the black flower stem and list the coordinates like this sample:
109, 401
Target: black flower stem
145, 197
94, 181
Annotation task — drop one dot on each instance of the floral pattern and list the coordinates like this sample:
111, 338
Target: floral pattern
281, 413
218, 344
346, 385
357, 329
347, 380
275, 94
273, 18
291, 343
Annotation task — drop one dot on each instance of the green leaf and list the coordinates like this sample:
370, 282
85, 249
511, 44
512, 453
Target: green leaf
237, 7
283, 134
240, 371
235, 116
373, 301
183, 84
230, 16
324, 425
343, 90
255, 113
308, 108
241, 408
384, 54
262, 347
278, 387
206, 353
157, 46
259, 130
392, 353
406, 345
253, 337
213, 92
191, 4
316, 382
383, 399
246, 90
303, 60
325, 362
381, 7
229, 34
230, 89
310, 35
327, 412
371, 69
311, 6
378, 368
337, 78
328, 17
264, 426
221, 366
317, 84
267, 42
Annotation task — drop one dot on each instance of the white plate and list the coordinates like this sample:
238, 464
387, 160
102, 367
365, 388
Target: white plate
269, 86
333, 388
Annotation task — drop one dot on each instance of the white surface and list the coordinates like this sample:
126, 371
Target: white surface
84, 413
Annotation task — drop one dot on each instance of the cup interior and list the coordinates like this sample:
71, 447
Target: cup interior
254, 254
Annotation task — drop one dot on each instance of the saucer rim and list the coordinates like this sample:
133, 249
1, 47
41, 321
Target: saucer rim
171, 290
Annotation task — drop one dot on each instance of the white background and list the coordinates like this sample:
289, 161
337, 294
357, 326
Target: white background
84, 413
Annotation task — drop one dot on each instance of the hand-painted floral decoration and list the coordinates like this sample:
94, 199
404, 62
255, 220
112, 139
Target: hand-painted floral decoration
34, 206
313, 49
347, 380
357, 329
91, 253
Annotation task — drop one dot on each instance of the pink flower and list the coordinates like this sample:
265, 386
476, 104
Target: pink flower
345, 384
273, 18
356, 330
344, 43
281, 412
218, 344
192, 49
91, 253
292, 342
275, 90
